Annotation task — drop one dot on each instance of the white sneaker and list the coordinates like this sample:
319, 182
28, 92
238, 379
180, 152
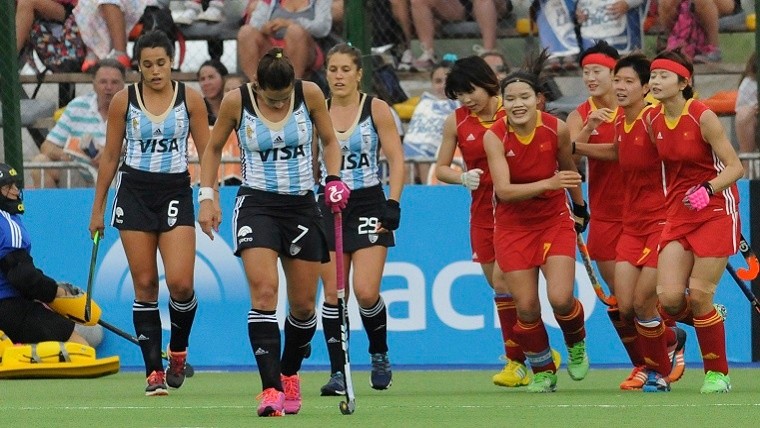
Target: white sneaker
214, 13
426, 61
406, 61
187, 15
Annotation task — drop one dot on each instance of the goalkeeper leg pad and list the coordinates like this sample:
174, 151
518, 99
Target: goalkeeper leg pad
55, 360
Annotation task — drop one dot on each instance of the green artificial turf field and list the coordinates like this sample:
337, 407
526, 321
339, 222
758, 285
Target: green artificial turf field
417, 399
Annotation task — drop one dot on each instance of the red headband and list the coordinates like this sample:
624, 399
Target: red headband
670, 65
598, 58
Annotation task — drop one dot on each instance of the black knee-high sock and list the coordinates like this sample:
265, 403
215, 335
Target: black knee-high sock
298, 335
147, 321
181, 315
331, 326
375, 320
264, 334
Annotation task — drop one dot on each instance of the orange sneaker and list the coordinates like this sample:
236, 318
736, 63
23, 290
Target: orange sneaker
292, 387
635, 380
156, 384
675, 351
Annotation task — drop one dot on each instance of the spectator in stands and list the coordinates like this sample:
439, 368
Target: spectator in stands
291, 25
423, 136
105, 24
211, 76
706, 13
29, 10
400, 9
485, 12
191, 11
746, 108
85, 119
498, 63
565, 33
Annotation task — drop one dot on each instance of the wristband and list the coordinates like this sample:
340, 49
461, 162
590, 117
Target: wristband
205, 194
709, 188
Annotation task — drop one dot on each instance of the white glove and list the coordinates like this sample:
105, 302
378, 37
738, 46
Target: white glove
471, 178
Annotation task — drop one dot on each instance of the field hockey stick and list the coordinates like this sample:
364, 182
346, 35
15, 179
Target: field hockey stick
751, 259
743, 286
93, 262
189, 370
346, 407
607, 300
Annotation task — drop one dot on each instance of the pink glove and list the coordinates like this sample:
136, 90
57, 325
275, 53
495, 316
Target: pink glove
336, 193
698, 196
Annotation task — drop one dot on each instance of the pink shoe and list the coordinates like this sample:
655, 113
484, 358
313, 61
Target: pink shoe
271, 402
292, 387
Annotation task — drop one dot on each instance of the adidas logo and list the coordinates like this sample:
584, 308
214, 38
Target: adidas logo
157, 132
333, 340
511, 153
594, 132
278, 139
470, 137
474, 256
710, 356
142, 337
260, 351
243, 231
659, 135
650, 362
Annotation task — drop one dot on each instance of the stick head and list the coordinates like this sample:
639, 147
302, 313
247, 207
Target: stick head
347, 407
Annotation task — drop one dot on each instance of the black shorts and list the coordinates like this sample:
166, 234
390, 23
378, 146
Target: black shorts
290, 225
360, 217
26, 321
152, 202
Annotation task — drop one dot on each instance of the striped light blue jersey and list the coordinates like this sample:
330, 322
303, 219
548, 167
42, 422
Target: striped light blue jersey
13, 236
359, 147
157, 143
277, 157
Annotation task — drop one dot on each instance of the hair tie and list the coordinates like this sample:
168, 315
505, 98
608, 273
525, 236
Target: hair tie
672, 66
451, 57
278, 55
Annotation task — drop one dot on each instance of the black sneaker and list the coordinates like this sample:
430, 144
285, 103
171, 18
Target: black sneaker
335, 386
381, 376
175, 371
156, 384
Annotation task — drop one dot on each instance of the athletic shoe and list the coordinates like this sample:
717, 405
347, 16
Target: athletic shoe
715, 382
175, 371
543, 382
292, 387
656, 383
156, 384
336, 386
675, 352
188, 15
381, 376
577, 364
513, 374
635, 380
712, 54
425, 62
407, 58
214, 13
271, 402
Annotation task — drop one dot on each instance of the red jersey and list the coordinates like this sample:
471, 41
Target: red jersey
530, 159
644, 195
470, 131
605, 180
689, 160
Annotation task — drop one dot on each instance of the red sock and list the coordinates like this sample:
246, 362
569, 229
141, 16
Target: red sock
505, 308
572, 324
653, 341
711, 334
534, 341
626, 330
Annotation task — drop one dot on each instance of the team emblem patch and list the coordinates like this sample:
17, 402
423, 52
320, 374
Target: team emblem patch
372, 237
171, 221
294, 249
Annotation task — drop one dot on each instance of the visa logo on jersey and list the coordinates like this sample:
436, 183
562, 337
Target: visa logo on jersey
354, 160
282, 153
162, 145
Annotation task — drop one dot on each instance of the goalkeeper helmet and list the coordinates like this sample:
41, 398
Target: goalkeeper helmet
8, 176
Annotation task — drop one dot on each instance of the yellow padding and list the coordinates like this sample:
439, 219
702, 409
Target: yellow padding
72, 307
5, 342
55, 360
